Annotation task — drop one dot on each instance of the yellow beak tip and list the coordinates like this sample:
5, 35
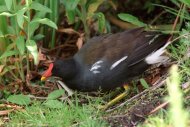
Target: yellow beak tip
43, 78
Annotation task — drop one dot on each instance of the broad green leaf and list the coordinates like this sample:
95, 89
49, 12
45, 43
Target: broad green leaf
33, 27
38, 37
93, 7
9, 53
20, 44
82, 2
11, 30
3, 8
1, 34
28, 2
6, 14
20, 17
130, 18
54, 104
44, 21
71, 7
187, 2
19, 99
71, 4
70, 16
39, 14
9, 4
32, 48
55, 94
101, 22
11, 46
39, 7
144, 83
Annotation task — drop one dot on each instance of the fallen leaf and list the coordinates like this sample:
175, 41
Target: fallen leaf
1, 68
5, 112
68, 31
41, 56
80, 41
13, 60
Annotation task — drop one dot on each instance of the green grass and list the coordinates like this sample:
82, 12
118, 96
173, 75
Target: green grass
37, 114
177, 114
88, 115
81, 114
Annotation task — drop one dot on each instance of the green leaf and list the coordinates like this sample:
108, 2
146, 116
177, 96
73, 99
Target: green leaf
11, 46
7, 69
39, 7
9, 53
32, 48
70, 16
33, 27
3, 8
20, 17
7, 14
55, 94
71, 7
71, 4
9, 4
38, 37
11, 30
45, 21
20, 44
54, 104
144, 83
1, 34
82, 2
130, 18
101, 22
187, 2
19, 99
93, 7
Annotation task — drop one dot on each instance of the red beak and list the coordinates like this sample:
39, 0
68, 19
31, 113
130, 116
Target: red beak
48, 73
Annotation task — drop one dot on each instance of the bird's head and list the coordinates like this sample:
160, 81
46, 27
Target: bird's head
64, 69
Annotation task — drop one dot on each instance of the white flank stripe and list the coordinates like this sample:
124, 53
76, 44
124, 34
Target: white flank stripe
118, 62
96, 66
95, 72
156, 57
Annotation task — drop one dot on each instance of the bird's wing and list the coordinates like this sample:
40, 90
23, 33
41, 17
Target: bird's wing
146, 43
110, 47
131, 46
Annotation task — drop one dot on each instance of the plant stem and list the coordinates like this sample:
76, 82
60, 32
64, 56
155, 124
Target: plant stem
2, 81
53, 16
12, 73
28, 36
18, 64
84, 21
21, 68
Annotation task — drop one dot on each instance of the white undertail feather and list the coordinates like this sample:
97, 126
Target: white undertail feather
156, 57
118, 62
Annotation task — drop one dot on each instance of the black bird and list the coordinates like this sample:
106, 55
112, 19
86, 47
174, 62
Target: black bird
109, 61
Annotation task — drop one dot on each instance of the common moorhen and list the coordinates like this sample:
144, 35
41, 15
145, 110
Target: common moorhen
110, 60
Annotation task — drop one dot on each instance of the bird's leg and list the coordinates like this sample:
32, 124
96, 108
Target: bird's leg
118, 98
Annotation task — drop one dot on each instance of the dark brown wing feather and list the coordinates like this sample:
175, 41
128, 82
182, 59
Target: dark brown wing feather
111, 46
147, 43
134, 43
